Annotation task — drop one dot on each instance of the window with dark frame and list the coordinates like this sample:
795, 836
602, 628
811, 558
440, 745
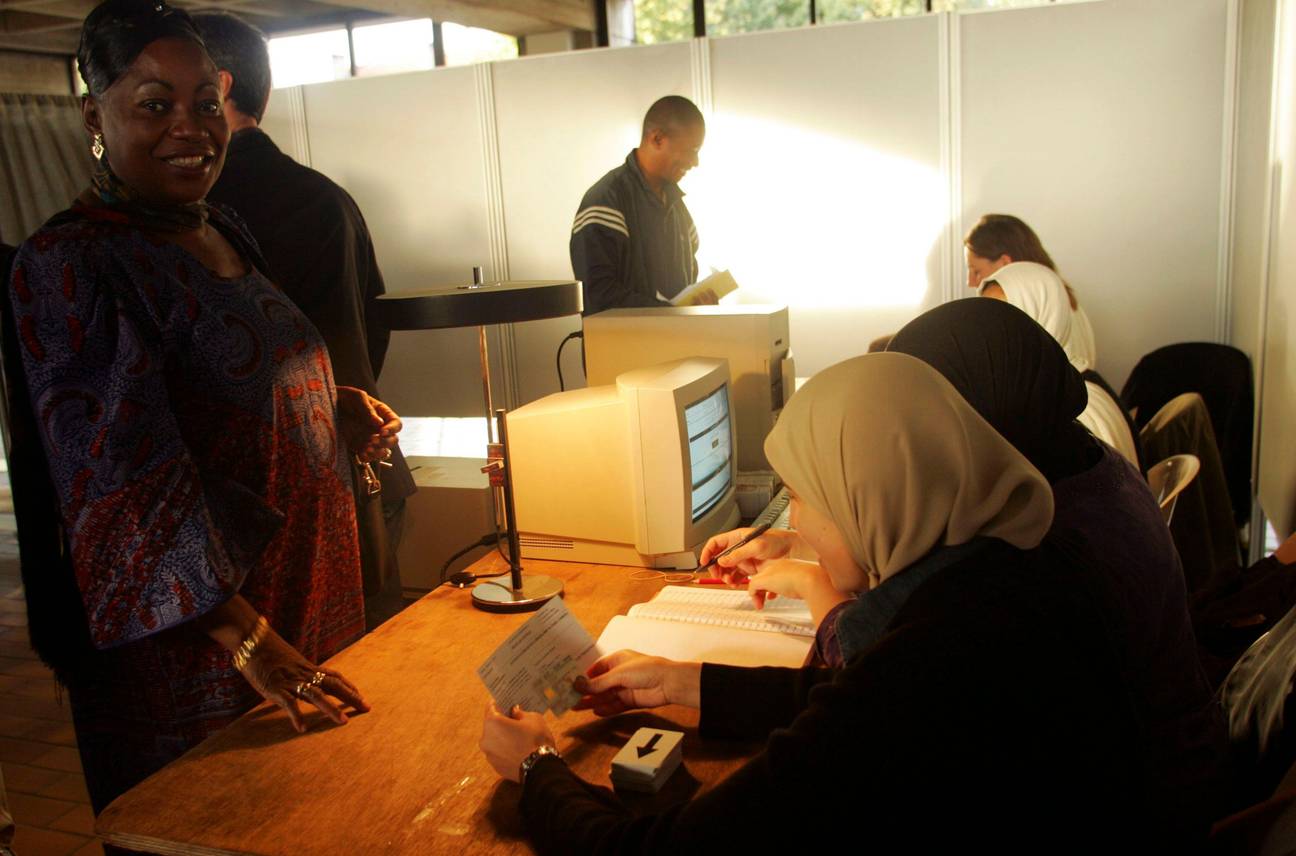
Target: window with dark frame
677, 20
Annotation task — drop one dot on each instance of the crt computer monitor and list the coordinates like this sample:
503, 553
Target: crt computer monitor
638, 472
753, 338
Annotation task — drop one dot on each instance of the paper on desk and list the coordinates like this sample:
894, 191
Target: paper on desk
535, 666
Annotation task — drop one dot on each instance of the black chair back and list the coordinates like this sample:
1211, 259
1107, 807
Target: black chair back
1222, 376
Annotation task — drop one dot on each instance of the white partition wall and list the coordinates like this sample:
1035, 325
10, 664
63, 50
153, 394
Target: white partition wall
1251, 189
1102, 125
1277, 453
563, 120
410, 148
842, 165
821, 182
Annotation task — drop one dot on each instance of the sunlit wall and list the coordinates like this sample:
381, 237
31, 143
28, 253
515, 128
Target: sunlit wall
841, 166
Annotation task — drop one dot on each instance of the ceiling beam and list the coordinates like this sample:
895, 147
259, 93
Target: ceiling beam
63, 44
53, 26
235, 6
30, 22
513, 17
569, 14
75, 10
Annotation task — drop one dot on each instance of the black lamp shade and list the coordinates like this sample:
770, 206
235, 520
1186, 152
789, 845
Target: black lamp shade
472, 306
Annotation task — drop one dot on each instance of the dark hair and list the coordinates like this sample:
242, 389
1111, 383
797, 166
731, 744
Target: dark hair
239, 48
117, 31
997, 235
670, 114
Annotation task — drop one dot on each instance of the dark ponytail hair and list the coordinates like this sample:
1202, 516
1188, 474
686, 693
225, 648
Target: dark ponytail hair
117, 31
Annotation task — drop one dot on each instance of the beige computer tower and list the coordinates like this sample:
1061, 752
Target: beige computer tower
753, 338
452, 509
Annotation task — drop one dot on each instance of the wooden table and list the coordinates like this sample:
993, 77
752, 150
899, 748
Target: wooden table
407, 777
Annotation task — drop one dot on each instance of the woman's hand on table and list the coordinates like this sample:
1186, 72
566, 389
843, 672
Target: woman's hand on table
282, 675
508, 740
628, 680
368, 425
746, 561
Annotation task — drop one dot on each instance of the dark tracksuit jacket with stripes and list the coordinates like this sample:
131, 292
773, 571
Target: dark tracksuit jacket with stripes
630, 248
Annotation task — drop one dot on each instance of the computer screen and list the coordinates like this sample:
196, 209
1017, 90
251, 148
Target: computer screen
639, 472
753, 338
710, 452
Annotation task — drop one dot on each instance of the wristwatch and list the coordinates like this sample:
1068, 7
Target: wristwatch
530, 761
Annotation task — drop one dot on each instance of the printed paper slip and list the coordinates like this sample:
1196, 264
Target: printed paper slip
535, 666
714, 287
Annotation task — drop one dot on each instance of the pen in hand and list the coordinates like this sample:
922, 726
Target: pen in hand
747, 539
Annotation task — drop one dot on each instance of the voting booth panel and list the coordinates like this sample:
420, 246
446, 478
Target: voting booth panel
1277, 457
842, 166
1103, 126
410, 149
821, 184
563, 120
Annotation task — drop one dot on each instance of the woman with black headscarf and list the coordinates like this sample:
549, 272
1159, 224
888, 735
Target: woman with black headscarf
1106, 522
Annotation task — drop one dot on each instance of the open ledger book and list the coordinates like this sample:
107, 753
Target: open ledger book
715, 625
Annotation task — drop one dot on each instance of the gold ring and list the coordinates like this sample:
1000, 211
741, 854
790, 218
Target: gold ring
299, 691
316, 680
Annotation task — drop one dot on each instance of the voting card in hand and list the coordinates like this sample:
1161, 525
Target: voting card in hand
535, 666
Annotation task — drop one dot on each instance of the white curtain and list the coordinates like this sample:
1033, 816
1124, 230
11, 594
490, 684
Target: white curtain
44, 160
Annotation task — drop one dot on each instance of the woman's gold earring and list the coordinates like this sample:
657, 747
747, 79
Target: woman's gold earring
97, 147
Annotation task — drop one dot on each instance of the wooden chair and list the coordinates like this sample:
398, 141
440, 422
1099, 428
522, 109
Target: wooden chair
1203, 528
1168, 479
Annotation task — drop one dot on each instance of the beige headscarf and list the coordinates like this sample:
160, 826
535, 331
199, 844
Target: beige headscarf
1039, 292
890, 451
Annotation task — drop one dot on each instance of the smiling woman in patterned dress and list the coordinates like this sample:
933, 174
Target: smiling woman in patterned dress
191, 423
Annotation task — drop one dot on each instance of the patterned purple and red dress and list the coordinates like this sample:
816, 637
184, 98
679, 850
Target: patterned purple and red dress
189, 422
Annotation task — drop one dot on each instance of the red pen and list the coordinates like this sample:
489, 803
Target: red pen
709, 581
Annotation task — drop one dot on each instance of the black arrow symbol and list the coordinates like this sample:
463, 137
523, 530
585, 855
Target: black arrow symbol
649, 747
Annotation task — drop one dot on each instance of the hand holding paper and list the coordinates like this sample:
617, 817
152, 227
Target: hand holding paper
535, 667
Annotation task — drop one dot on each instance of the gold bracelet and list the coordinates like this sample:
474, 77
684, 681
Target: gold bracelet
249, 645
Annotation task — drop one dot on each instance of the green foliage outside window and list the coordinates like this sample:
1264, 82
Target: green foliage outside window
727, 17
828, 11
672, 20
663, 21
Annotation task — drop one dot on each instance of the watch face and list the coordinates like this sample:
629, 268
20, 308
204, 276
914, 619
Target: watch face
530, 760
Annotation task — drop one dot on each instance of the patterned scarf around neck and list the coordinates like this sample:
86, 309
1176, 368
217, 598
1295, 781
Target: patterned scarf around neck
109, 191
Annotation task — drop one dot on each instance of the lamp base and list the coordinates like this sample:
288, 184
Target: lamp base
499, 597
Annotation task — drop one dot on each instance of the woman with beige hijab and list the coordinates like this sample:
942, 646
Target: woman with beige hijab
977, 701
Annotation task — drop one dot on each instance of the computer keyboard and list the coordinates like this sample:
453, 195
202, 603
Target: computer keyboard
776, 513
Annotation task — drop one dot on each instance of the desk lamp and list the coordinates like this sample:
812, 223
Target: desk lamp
478, 305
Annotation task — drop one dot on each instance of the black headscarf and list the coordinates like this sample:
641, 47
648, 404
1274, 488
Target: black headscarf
1013, 373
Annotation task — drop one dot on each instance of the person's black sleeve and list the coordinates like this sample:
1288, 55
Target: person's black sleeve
860, 742
377, 335
728, 711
